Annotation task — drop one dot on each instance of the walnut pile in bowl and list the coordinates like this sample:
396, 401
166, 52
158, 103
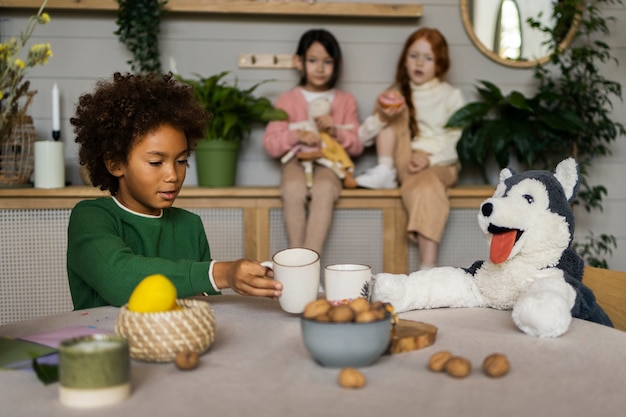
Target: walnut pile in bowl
354, 334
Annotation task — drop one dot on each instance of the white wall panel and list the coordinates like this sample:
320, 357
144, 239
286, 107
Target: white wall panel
85, 49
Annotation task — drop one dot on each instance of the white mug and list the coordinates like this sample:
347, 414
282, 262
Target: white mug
347, 282
298, 269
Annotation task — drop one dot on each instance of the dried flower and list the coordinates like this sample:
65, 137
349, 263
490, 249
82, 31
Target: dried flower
13, 68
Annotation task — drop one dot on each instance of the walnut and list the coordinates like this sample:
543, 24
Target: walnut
316, 308
351, 378
458, 367
359, 305
323, 318
187, 361
366, 316
496, 365
341, 313
437, 362
380, 309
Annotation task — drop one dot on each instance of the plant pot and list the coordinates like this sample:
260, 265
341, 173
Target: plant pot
216, 162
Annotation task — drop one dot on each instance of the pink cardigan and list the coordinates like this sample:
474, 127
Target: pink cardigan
278, 139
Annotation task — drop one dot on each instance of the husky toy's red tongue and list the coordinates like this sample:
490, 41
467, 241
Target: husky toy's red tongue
501, 246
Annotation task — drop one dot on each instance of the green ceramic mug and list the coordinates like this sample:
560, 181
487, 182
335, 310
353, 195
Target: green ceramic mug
94, 370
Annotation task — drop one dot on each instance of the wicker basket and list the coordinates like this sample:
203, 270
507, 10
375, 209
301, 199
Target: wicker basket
17, 155
158, 337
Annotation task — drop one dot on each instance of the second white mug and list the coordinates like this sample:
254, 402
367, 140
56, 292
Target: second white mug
347, 282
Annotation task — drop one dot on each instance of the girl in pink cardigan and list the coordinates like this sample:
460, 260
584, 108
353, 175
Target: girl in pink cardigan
307, 211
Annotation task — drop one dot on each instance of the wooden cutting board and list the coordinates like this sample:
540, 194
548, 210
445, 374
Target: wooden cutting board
408, 335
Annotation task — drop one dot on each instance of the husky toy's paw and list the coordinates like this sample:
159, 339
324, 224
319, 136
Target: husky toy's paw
543, 314
391, 288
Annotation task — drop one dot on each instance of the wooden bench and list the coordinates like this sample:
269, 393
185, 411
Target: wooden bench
256, 202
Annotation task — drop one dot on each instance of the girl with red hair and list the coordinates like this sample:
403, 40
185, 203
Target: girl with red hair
413, 145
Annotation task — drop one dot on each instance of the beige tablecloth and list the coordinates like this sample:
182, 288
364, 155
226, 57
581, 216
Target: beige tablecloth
258, 366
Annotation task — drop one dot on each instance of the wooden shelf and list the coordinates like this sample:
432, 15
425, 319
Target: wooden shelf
253, 7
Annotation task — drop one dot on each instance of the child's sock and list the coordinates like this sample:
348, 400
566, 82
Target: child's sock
386, 161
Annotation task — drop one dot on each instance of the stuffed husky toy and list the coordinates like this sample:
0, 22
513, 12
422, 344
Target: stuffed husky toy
529, 225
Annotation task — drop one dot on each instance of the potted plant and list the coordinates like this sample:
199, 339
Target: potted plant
234, 111
577, 75
502, 126
570, 114
139, 25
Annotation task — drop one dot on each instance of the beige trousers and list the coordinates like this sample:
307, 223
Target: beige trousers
308, 212
424, 194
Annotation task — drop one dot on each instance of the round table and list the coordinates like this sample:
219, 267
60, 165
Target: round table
258, 366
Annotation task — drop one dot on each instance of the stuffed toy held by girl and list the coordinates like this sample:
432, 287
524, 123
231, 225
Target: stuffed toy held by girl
529, 225
329, 154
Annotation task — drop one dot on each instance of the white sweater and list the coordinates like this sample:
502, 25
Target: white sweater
435, 101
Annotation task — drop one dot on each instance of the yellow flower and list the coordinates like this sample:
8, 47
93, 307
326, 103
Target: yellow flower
44, 18
19, 64
13, 69
39, 54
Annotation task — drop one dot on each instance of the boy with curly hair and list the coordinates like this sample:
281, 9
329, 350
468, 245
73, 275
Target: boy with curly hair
135, 134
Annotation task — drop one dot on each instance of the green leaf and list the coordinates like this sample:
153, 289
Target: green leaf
499, 134
517, 100
47, 374
565, 121
484, 142
466, 147
525, 143
492, 94
468, 114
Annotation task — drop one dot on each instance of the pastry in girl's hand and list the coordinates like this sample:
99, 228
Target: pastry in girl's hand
391, 99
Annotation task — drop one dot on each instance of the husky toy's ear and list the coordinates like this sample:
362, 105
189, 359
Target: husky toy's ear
505, 174
566, 173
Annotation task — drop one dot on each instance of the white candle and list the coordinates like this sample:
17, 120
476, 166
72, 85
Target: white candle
56, 121
49, 164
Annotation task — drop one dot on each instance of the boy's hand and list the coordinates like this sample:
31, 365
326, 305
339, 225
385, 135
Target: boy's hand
247, 277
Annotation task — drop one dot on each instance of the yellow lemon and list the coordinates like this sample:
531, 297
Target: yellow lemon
153, 294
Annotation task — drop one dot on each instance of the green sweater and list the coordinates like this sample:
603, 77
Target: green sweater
110, 250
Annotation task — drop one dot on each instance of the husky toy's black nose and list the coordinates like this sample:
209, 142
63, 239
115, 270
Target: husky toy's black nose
487, 209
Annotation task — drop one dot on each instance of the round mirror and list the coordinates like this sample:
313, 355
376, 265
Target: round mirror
499, 30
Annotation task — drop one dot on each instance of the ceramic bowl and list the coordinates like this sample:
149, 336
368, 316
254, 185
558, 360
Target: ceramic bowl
340, 345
